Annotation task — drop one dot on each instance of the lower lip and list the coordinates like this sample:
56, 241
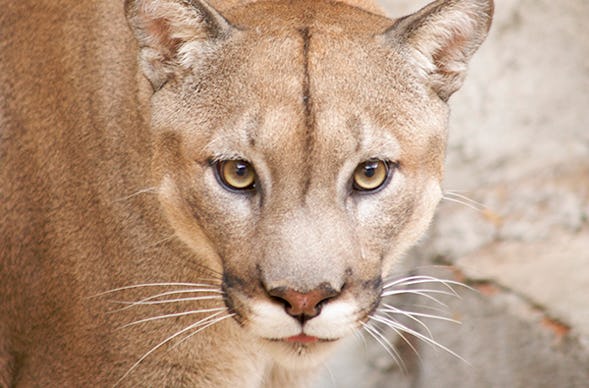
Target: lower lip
302, 339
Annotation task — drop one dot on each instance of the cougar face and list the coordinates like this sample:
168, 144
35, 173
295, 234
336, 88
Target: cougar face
299, 153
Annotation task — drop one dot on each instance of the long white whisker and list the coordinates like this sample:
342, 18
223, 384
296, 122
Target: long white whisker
417, 320
468, 205
417, 279
419, 293
440, 310
465, 198
150, 299
210, 323
165, 316
165, 301
416, 291
392, 324
196, 298
416, 334
400, 334
414, 280
391, 309
203, 321
155, 285
386, 344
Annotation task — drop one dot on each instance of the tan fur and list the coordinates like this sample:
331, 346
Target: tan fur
106, 181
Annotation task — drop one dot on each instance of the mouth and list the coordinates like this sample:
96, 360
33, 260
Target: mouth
302, 339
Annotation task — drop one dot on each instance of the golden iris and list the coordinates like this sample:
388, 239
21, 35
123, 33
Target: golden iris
370, 175
236, 174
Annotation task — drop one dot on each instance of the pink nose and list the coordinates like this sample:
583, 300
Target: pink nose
303, 306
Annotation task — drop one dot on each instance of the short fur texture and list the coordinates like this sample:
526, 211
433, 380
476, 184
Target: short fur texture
107, 180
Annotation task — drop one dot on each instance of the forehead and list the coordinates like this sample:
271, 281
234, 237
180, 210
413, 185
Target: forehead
297, 44
312, 76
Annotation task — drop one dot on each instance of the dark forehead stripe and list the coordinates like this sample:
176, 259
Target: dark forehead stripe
306, 35
308, 108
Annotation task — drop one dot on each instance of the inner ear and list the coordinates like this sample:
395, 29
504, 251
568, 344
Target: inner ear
441, 39
171, 33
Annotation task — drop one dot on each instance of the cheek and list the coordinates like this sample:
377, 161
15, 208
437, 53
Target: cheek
211, 197
201, 212
182, 221
425, 201
382, 216
392, 221
213, 206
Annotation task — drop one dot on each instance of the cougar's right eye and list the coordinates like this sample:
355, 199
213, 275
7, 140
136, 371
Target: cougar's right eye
371, 175
236, 175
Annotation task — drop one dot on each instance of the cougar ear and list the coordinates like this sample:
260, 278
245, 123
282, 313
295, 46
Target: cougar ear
441, 38
172, 33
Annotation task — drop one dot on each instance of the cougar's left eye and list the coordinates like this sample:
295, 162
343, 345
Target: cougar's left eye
371, 175
236, 175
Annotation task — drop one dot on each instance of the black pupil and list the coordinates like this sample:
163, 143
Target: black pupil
370, 169
240, 169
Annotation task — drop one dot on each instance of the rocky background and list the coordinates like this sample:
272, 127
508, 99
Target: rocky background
519, 146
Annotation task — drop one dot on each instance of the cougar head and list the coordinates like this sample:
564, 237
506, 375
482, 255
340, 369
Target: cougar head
299, 149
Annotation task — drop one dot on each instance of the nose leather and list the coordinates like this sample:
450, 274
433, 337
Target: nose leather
301, 305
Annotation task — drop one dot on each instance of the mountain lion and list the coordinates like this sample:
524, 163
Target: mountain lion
225, 209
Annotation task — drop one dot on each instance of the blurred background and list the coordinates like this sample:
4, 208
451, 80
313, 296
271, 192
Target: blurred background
519, 148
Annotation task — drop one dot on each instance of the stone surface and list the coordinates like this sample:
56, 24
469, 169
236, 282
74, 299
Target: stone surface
519, 147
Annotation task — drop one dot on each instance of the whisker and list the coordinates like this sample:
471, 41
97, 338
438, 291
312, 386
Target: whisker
166, 301
203, 321
211, 323
146, 285
419, 293
417, 320
202, 311
151, 190
391, 309
468, 205
393, 324
457, 194
386, 344
489, 214
446, 283
440, 310
413, 280
150, 299
418, 290
400, 334
421, 278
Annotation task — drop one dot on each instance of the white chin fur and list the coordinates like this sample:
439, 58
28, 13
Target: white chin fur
270, 322
337, 320
299, 356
